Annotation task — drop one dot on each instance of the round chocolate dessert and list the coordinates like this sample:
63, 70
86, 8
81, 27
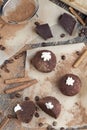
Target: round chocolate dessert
25, 111
50, 105
44, 61
70, 84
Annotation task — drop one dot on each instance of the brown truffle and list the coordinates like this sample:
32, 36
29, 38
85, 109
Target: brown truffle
50, 105
27, 111
70, 84
44, 61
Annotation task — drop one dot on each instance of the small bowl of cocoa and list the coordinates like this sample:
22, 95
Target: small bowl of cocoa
19, 11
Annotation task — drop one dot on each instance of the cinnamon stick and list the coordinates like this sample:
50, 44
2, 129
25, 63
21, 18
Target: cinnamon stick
4, 123
21, 87
17, 80
77, 16
80, 59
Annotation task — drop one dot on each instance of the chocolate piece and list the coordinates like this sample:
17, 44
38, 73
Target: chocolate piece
27, 112
67, 22
70, 84
43, 30
50, 105
42, 63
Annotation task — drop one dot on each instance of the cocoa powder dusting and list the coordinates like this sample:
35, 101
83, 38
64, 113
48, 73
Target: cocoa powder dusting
23, 11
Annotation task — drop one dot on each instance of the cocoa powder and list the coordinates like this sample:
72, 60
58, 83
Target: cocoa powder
23, 11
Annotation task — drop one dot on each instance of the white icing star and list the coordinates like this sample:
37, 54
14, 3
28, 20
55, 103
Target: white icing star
49, 105
46, 56
70, 81
17, 108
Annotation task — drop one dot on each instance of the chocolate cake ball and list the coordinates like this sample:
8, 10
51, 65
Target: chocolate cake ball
25, 111
44, 61
70, 84
50, 105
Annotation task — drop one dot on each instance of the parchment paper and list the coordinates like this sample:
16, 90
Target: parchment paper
74, 109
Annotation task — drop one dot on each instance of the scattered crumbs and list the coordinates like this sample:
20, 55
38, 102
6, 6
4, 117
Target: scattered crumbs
37, 98
27, 98
63, 57
62, 35
40, 124
36, 114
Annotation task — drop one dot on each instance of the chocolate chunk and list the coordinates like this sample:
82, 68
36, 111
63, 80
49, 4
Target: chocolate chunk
43, 30
50, 105
67, 22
